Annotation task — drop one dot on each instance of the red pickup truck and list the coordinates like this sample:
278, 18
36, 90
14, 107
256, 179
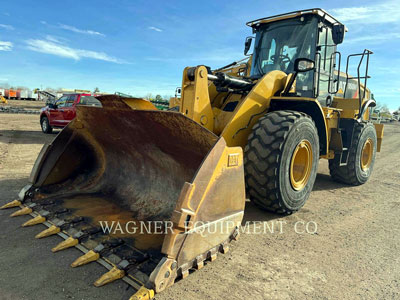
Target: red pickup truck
63, 111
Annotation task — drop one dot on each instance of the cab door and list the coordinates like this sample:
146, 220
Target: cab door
69, 109
56, 114
325, 64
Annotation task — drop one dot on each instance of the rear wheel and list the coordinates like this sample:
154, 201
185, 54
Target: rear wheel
361, 158
281, 160
45, 124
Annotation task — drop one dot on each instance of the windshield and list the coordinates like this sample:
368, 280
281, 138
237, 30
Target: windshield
278, 45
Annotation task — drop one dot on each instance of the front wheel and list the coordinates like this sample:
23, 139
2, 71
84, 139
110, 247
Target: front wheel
281, 161
45, 124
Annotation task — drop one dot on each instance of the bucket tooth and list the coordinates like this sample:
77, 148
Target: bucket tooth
68, 243
22, 212
110, 276
185, 274
11, 204
199, 265
213, 256
36, 220
48, 232
224, 249
86, 258
143, 294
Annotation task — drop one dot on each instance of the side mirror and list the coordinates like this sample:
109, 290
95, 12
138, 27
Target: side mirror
338, 33
300, 65
247, 44
303, 65
52, 105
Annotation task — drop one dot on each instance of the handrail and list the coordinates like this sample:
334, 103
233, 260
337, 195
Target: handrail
366, 53
332, 72
319, 73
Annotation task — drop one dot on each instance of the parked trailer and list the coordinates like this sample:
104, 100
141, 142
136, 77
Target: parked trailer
34, 96
11, 94
24, 94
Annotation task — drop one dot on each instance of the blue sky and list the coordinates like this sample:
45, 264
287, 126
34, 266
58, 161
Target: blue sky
139, 47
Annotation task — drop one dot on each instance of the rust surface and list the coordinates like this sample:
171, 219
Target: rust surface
139, 160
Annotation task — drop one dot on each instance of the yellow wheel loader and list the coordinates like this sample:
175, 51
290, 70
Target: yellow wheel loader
255, 129
3, 100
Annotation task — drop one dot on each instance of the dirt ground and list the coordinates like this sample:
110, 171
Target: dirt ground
354, 253
36, 105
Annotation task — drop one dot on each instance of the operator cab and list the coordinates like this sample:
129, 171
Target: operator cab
310, 34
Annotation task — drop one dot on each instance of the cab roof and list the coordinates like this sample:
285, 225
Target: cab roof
315, 11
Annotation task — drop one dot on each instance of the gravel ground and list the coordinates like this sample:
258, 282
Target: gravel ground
354, 253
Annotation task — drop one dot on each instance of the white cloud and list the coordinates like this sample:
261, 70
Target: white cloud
154, 28
54, 39
387, 12
5, 26
77, 30
5, 46
374, 39
73, 29
49, 47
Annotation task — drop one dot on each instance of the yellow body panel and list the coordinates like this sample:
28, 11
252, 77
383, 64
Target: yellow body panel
379, 134
331, 120
174, 102
195, 102
252, 108
138, 103
349, 107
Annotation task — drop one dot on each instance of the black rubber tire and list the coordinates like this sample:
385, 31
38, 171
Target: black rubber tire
45, 124
352, 173
267, 160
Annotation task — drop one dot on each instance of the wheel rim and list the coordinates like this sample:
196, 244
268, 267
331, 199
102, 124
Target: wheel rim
44, 125
301, 164
366, 155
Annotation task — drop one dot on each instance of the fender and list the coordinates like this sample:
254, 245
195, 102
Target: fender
365, 106
310, 107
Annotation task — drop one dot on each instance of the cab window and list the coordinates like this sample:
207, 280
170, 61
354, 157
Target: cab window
62, 101
327, 48
70, 101
89, 101
324, 61
280, 43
